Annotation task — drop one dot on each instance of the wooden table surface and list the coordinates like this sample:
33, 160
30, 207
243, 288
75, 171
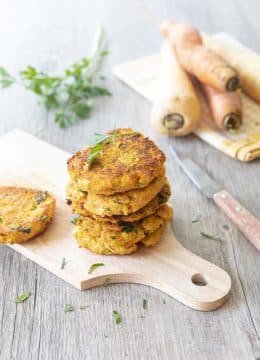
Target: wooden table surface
51, 35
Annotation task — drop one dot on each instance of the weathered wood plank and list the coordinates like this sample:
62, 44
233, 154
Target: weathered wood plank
51, 35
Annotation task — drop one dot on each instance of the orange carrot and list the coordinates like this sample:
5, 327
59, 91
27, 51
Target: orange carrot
200, 61
226, 107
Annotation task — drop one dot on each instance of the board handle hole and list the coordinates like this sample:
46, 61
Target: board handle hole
198, 280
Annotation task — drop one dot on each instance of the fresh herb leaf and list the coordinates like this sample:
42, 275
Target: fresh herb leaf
42, 196
145, 307
68, 308
106, 282
83, 307
142, 316
164, 302
126, 226
6, 79
71, 95
117, 317
209, 236
24, 296
74, 218
94, 266
63, 263
24, 229
197, 219
44, 218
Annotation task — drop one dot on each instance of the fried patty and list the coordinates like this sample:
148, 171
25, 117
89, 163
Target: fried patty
160, 199
127, 161
105, 248
115, 238
117, 204
24, 213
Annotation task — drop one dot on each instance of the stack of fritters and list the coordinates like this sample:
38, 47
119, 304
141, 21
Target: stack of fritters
120, 199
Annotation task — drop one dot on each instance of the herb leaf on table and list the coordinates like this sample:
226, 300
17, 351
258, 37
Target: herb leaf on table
70, 96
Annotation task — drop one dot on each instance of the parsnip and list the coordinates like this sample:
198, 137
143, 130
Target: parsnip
177, 110
226, 107
197, 59
244, 60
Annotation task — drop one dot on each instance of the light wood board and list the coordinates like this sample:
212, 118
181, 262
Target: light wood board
166, 266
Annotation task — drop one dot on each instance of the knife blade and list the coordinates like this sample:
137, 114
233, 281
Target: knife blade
247, 223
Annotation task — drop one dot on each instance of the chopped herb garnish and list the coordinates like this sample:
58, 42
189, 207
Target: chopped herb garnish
117, 317
23, 229
164, 302
24, 296
161, 199
197, 219
209, 236
142, 316
63, 263
126, 226
44, 218
145, 304
83, 307
68, 308
106, 282
94, 266
74, 218
34, 207
113, 237
41, 197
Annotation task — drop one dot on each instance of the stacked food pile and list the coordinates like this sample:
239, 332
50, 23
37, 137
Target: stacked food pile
119, 192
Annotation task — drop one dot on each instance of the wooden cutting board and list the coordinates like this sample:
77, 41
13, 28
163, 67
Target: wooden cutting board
28, 161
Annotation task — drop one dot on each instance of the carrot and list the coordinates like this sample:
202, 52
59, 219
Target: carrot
176, 109
198, 60
226, 107
244, 60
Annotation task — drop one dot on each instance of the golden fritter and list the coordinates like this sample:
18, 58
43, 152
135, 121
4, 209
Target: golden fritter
160, 199
105, 248
127, 161
115, 238
117, 204
24, 213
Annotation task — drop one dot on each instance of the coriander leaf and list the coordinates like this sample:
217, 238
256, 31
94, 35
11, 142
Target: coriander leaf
74, 218
42, 196
63, 263
126, 226
68, 308
24, 229
24, 296
83, 307
209, 236
106, 282
145, 304
94, 266
6, 79
197, 219
117, 317
81, 109
164, 302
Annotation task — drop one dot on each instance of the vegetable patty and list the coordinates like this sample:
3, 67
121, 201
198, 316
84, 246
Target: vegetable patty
24, 213
127, 161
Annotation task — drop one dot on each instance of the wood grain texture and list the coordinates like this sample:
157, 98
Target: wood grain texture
51, 35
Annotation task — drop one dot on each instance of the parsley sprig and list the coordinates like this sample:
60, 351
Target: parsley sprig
70, 96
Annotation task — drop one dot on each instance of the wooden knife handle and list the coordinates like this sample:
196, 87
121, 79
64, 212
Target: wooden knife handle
240, 216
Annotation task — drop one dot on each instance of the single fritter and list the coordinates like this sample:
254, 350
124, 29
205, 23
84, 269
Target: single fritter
128, 161
24, 213
122, 237
119, 203
160, 199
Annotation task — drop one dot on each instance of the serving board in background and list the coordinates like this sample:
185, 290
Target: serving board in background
142, 75
30, 162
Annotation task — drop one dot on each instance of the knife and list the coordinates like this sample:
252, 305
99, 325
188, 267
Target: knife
238, 214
